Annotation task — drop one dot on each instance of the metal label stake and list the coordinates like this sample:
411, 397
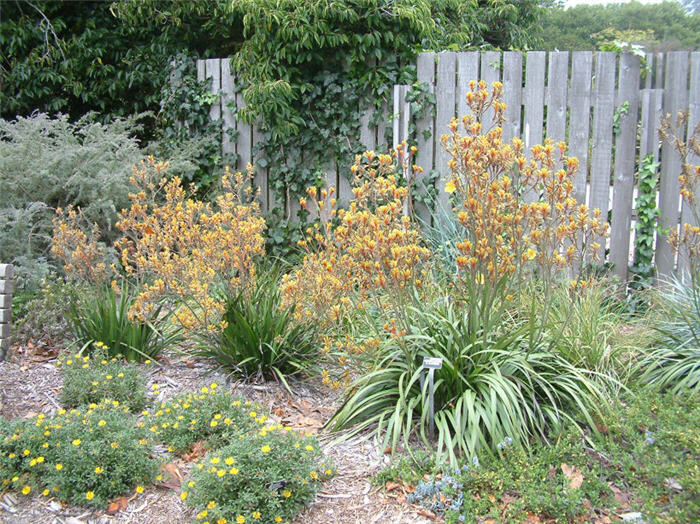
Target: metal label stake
431, 364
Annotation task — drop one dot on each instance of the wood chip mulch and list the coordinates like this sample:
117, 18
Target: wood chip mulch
30, 384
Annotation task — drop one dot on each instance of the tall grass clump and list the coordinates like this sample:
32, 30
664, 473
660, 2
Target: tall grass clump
496, 381
260, 337
674, 363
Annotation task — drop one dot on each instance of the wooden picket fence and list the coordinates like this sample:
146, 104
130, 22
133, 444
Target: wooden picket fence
580, 97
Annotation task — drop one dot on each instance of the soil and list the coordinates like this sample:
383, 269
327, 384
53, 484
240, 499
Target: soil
30, 384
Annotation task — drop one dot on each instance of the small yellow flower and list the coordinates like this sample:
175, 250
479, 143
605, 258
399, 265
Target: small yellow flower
240, 519
114, 445
450, 187
221, 472
215, 460
253, 414
256, 515
90, 495
229, 461
183, 495
98, 470
59, 467
139, 489
286, 493
309, 448
265, 449
211, 504
213, 423
278, 519
45, 493
77, 442
102, 423
26, 490
233, 471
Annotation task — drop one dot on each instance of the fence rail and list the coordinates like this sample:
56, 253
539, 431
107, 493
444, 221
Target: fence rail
605, 105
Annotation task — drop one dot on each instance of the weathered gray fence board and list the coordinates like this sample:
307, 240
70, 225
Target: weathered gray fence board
382, 143
368, 132
659, 69
687, 215
200, 70
445, 111
580, 117
512, 93
244, 142
260, 178
490, 73
425, 131
693, 120
652, 106
601, 157
557, 86
467, 70
675, 99
625, 155
228, 98
212, 69
534, 97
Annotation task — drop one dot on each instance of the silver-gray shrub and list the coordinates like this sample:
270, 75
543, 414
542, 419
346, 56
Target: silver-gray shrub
47, 163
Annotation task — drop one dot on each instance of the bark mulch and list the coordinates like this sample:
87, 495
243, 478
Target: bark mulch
30, 384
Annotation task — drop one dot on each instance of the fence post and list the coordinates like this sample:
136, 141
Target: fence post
5, 308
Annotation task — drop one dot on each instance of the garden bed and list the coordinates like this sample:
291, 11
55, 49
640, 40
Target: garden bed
29, 385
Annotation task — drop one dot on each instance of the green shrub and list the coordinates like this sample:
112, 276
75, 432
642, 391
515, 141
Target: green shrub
92, 379
260, 337
41, 312
237, 482
514, 484
209, 415
497, 379
84, 457
652, 441
103, 317
47, 163
674, 363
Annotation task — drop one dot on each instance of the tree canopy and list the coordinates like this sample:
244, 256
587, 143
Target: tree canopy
75, 57
666, 26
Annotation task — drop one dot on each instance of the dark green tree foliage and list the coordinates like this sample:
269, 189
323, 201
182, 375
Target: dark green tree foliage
305, 67
76, 57
579, 27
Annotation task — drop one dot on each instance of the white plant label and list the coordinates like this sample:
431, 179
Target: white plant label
432, 362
